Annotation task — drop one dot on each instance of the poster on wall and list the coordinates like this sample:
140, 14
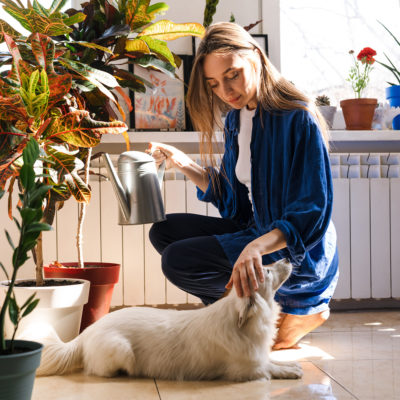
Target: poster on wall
163, 106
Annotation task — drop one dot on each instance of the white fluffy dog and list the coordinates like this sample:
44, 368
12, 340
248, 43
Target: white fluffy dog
230, 340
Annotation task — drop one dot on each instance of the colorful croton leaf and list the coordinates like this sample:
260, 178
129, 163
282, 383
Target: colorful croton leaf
78, 129
63, 170
7, 28
36, 18
37, 99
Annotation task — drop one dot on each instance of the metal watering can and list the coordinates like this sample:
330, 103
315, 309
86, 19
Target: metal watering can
138, 187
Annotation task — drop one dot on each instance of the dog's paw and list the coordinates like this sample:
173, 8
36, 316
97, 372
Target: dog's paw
286, 371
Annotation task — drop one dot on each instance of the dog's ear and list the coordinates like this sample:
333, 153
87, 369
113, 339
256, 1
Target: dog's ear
246, 310
281, 271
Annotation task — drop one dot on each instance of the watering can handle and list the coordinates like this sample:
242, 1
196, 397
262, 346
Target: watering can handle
160, 174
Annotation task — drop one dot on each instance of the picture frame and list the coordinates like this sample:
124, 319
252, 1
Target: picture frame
262, 40
163, 107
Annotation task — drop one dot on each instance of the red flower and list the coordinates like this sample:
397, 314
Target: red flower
366, 55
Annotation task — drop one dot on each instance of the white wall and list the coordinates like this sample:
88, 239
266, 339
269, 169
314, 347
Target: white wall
245, 12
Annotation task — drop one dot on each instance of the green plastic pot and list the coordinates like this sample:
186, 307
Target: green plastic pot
17, 371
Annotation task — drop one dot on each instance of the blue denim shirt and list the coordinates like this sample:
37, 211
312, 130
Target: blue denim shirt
292, 190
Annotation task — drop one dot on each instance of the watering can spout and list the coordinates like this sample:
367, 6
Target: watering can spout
117, 186
137, 185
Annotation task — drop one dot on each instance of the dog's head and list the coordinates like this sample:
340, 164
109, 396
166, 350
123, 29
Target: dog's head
274, 276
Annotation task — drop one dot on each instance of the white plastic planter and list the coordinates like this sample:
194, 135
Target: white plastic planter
60, 308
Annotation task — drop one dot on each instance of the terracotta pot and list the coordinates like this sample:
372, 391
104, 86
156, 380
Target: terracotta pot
102, 277
358, 113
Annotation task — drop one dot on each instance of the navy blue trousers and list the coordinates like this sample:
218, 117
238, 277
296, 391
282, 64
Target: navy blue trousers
192, 258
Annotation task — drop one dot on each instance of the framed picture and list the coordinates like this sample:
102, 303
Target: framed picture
262, 40
163, 107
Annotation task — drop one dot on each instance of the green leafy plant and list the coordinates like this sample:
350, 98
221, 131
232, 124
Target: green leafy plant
209, 11
359, 72
99, 39
392, 68
37, 100
33, 192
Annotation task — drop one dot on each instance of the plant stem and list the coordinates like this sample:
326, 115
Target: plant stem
39, 261
82, 213
4, 310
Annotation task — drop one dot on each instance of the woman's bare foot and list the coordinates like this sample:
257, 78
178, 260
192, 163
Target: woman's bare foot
293, 327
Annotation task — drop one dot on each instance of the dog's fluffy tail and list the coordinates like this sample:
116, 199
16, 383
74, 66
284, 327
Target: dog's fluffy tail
58, 357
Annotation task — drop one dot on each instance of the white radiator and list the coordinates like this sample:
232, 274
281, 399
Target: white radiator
366, 213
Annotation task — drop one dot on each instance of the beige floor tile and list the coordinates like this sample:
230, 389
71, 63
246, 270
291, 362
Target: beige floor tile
362, 321
314, 385
82, 387
366, 379
373, 345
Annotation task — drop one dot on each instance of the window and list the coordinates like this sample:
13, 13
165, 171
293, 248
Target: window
316, 37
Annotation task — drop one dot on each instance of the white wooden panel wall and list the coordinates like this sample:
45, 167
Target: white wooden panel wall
175, 202
380, 238
91, 242
111, 235
196, 207
395, 235
67, 222
133, 262
341, 220
360, 239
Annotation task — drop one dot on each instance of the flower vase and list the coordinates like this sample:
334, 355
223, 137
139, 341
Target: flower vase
358, 113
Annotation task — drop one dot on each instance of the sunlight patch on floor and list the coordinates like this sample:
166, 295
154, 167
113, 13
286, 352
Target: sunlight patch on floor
305, 351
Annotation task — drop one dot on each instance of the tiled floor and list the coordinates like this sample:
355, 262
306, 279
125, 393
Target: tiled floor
352, 356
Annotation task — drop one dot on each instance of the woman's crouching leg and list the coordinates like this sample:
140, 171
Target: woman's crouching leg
198, 266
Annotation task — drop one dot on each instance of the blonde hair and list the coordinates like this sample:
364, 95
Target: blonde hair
274, 93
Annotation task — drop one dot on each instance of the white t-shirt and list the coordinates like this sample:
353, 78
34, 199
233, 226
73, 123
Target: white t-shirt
243, 165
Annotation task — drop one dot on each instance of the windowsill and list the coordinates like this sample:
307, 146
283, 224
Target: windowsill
342, 141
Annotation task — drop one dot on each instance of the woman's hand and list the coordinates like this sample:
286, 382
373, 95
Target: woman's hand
246, 269
172, 156
249, 263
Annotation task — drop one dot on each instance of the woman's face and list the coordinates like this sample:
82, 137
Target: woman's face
233, 78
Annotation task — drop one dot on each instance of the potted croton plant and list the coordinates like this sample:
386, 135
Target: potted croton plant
102, 40
393, 91
38, 99
359, 112
19, 359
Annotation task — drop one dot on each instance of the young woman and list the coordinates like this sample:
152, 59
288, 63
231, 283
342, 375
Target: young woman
273, 188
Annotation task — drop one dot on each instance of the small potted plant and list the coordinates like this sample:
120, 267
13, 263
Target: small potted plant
324, 106
393, 91
359, 112
19, 359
